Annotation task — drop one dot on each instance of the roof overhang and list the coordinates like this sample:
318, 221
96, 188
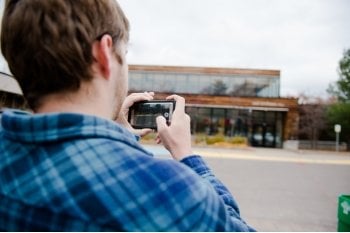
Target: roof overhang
9, 84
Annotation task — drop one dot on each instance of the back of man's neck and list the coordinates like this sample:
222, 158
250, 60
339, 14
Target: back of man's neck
55, 103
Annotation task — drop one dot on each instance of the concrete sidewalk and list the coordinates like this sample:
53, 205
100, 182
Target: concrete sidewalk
265, 154
277, 155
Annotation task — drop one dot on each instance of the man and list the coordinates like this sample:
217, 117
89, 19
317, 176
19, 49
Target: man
67, 166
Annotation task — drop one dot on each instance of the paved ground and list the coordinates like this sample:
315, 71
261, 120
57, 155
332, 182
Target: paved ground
281, 190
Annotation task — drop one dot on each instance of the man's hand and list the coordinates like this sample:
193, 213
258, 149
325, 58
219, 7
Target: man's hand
176, 138
128, 102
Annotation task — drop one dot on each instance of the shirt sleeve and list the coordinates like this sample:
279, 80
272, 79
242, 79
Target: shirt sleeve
197, 164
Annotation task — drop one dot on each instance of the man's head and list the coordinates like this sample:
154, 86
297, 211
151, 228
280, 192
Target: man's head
48, 43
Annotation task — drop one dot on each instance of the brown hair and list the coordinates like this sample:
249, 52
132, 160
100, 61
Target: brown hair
48, 43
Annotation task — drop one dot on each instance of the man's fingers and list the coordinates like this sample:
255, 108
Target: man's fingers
158, 140
144, 132
136, 97
161, 123
180, 103
141, 96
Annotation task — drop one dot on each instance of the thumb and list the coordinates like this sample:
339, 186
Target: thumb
161, 123
144, 132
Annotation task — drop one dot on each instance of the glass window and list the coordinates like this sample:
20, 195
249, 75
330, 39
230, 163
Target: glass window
230, 119
241, 123
231, 85
270, 118
258, 116
203, 120
218, 121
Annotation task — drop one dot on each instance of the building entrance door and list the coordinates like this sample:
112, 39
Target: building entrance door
263, 135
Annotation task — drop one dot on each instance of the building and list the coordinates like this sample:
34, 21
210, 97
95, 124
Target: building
225, 101
10, 92
220, 101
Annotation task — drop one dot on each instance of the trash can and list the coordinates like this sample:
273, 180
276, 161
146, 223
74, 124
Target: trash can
344, 213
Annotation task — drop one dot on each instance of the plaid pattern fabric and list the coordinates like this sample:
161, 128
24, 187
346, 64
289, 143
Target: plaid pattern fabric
71, 172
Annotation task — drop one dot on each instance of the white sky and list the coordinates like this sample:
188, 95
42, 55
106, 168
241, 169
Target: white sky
303, 39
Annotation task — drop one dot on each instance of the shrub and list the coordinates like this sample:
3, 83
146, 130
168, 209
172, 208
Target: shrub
200, 138
215, 139
238, 140
149, 138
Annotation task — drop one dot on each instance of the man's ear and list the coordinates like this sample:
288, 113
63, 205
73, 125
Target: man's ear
102, 52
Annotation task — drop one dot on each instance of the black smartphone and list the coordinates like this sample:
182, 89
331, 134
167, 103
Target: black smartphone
143, 114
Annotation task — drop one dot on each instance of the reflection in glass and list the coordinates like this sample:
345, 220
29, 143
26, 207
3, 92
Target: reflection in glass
262, 128
186, 83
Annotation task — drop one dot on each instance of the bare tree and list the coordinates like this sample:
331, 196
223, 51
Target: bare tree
312, 113
216, 88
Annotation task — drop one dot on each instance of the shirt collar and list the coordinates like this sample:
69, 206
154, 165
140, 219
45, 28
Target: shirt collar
39, 128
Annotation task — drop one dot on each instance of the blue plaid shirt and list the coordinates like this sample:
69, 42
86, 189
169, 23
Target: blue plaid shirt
71, 172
